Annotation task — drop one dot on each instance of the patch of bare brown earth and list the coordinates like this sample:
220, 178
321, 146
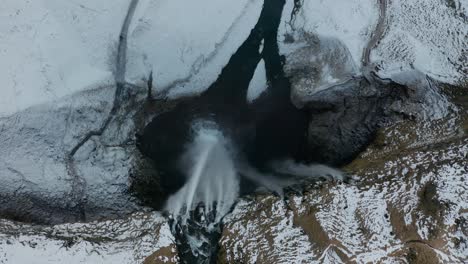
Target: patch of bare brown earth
163, 255
409, 204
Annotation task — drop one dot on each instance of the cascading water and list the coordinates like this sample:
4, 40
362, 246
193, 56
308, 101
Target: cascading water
213, 180
206, 181
211, 189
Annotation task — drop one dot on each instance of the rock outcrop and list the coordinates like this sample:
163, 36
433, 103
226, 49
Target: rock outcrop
408, 203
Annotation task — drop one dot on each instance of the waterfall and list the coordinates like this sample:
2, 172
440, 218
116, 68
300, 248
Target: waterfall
210, 191
212, 188
212, 179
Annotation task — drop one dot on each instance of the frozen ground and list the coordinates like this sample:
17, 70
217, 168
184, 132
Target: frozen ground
66, 155
426, 35
324, 42
329, 42
350, 22
38, 169
186, 44
408, 204
130, 240
67, 134
50, 49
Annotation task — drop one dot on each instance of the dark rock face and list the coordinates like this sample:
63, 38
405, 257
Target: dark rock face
268, 130
334, 125
343, 119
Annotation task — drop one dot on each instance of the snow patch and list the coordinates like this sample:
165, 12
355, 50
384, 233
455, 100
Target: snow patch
186, 55
259, 82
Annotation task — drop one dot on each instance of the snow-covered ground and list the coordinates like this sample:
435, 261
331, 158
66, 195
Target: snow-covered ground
186, 44
129, 241
409, 201
35, 159
58, 67
350, 22
328, 42
426, 35
246, 238
50, 49
59, 144
324, 42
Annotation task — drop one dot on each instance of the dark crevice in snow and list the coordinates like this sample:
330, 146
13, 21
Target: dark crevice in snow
149, 85
297, 7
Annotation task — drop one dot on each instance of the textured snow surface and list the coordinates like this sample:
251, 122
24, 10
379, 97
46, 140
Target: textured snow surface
318, 66
186, 44
35, 147
119, 241
58, 61
329, 42
413, 200
324, 42
349, 21
52, 48
426, 35
246, 238
57, 64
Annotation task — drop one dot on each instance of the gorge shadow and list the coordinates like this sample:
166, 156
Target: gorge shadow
268, 129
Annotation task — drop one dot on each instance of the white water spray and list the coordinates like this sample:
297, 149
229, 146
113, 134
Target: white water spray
287, 173
213, 184
212, 179
307, 171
